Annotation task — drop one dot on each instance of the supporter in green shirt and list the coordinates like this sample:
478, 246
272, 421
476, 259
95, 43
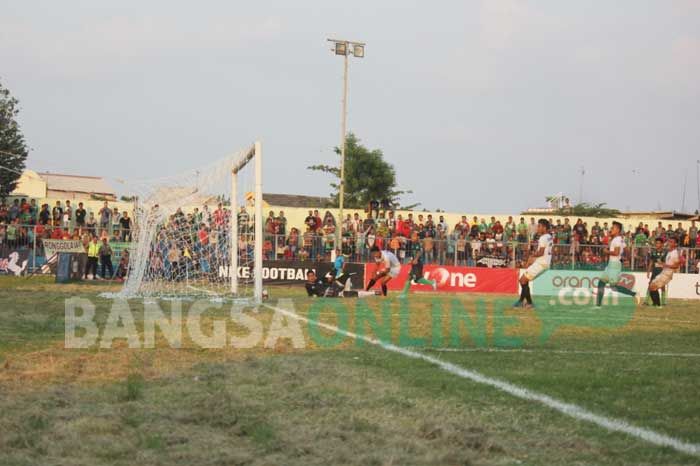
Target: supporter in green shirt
522, 231
640, 239
509, 229
11, 233
25, 218
562, 236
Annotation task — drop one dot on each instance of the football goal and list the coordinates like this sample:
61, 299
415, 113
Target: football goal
200, 233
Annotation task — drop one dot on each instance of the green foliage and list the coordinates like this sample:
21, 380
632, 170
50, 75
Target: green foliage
13, 148
367, 176
585, 209
134, 386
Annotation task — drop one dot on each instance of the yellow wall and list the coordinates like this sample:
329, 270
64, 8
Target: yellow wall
295, 217
30, 185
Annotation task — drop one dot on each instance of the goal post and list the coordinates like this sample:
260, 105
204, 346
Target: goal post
189, 241
254, 154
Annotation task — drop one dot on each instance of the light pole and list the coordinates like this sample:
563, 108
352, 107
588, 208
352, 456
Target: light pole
697, 174
344, 48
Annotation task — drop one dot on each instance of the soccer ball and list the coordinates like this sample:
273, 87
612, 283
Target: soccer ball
265, 295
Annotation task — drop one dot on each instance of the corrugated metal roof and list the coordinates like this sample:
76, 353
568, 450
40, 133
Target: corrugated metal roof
294, 200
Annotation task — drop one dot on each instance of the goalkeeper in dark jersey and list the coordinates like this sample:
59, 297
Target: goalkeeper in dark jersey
656, 261
332, 287
416, 275
314, 285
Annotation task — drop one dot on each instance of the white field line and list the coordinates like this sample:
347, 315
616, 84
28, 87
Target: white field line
553, 351
570, 409
607, 318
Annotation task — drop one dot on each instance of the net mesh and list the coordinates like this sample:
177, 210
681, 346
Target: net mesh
182, 241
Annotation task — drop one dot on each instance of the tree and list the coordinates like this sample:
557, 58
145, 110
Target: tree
589, 210
368, 176
13, 148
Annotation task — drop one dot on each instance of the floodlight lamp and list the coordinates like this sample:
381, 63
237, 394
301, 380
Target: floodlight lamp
341, 48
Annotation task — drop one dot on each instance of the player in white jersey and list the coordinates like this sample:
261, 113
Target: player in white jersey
388, 267
538, 263
613, 271
672, 264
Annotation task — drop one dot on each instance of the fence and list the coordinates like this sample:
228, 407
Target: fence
443, 251
28, 239
489, 253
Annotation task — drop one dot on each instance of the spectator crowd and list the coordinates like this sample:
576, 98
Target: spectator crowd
198, 238
24, 224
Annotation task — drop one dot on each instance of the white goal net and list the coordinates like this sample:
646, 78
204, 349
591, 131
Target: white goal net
196, 234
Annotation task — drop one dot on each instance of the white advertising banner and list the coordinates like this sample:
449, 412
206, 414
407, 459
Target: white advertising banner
53, 246
684, 286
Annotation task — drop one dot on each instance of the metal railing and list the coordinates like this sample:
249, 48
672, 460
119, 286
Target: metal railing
305, 246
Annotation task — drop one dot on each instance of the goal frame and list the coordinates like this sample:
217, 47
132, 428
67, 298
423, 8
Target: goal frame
254, 155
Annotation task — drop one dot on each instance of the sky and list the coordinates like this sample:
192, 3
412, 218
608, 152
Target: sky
481, 106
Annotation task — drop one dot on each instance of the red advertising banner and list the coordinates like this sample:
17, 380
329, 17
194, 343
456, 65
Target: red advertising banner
452, 279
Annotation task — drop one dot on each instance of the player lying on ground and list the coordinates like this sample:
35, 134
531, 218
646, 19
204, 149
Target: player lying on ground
613, 271
338, 270
388, 267
537, 264
657, 259
416, 276
331, 287
671, 265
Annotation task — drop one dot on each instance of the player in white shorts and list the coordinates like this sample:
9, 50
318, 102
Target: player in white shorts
613, 271
538, 263
388, 267
672, 264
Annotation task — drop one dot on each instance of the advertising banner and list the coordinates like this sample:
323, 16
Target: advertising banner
294, 272
54, 246
577, 286
13, 262
684, 286
452, 279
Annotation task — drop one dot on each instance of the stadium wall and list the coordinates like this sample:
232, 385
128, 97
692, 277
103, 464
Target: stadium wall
296, 216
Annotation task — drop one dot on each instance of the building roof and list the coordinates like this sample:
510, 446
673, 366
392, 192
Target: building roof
76, 183
661, 215
294, 200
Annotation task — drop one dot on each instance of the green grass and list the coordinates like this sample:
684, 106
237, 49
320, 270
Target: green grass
345, 403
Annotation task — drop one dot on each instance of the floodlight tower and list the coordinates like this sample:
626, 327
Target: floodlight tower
344, 48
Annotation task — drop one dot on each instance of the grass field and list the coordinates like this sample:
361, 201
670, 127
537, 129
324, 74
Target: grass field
335, 400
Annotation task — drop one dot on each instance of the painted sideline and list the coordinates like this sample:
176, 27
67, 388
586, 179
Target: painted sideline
553, 351
569, 409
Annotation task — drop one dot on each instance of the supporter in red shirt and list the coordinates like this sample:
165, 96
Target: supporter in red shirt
318, 223
498, 228
219, 216
402, 227
57, 233
203, 235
